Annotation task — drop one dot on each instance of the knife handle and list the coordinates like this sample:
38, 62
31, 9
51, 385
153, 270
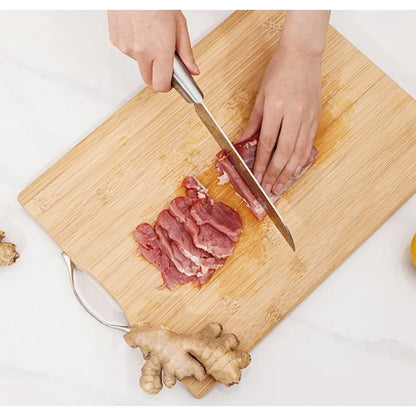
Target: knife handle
184, 83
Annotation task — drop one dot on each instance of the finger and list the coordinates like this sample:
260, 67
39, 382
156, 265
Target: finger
146, 68
292, 166
284, 150
270, 127
308, 150
306, 157
162, 72
184, 48
254, 122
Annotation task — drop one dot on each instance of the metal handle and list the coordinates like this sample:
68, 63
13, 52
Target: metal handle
71, 268
184, 83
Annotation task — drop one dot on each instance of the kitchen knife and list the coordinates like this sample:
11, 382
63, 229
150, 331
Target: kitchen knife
183, 82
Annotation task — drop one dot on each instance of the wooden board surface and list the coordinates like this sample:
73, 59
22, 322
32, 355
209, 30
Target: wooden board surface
131, 166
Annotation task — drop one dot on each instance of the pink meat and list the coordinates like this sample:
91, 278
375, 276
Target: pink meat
180, 207
247, 150
229, 174
194, 189
184, 242
204, 236
192, 239
213, 241
205, 211
182, 263
204, 279
152, 251
220, 216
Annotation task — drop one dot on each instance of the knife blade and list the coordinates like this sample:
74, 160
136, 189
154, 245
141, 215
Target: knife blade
184, 83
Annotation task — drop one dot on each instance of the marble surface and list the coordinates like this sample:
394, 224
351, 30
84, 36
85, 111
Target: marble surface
353, 341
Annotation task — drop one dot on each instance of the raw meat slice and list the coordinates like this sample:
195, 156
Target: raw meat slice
151, 250
247, 150
184, 241
204, 236
200, 281
220, 216
191, 239
182, 263
195, 189
213, 241
229, 174
205, 211
180, 207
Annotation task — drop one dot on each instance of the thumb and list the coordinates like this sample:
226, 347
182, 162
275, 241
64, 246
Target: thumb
184, 48
254, 123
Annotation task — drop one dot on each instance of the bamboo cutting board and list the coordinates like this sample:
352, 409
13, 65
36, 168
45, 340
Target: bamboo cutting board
128, 169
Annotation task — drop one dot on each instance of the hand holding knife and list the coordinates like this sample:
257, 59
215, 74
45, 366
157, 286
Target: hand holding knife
186, 86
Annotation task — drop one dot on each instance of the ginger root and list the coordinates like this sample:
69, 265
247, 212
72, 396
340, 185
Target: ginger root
8, 253
207, 352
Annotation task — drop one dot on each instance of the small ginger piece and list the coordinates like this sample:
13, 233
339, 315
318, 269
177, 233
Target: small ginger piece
8, 253
207, 352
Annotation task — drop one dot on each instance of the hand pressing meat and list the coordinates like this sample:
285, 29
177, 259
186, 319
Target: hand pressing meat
191, 239
288, 105
247, 150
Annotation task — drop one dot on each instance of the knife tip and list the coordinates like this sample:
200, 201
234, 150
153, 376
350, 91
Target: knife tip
291, 242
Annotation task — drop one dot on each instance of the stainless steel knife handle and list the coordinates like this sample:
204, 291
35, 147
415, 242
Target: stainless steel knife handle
184, 83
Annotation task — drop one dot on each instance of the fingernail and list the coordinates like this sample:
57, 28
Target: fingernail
259, 177
267, 188
278, 188
298, 171
195, 68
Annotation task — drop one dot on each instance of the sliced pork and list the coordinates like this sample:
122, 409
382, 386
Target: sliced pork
204, 236
220, 216
192, 238
151, 250
205, 210
247, 150
182, 263
194, 188
177, 233
213, 241
229, 174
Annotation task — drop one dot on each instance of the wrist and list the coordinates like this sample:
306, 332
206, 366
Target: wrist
300, 51
305, 32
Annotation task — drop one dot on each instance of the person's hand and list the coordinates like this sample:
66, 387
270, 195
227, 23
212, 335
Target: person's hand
286, 112
288, 105
151, 37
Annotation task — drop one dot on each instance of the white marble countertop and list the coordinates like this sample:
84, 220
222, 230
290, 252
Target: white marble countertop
353, 341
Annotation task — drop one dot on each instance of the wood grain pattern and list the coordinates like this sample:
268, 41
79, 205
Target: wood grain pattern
131, 166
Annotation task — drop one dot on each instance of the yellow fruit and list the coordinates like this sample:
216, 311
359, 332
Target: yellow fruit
413, 249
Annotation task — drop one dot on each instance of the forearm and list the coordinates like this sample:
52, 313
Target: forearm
305, 31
